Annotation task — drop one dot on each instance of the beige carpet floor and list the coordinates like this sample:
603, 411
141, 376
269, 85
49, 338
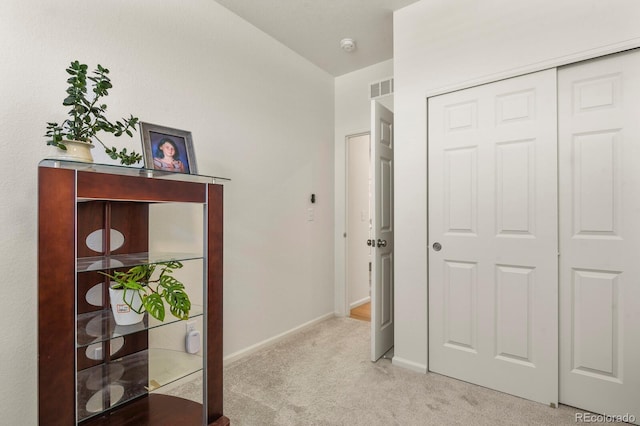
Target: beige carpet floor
323, 376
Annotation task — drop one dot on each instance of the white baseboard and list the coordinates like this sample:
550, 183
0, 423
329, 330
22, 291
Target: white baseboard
409, 365
360, 302
266, 343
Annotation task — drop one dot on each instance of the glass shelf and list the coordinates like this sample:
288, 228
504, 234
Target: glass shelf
98, 263
129, 171
99, 326
109, 385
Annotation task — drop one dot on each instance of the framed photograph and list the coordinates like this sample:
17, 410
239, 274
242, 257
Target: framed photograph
167, 149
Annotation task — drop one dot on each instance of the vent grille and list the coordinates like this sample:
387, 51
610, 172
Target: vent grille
381, 88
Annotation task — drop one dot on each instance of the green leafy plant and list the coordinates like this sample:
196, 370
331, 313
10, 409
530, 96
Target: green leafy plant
87, 115
154, 292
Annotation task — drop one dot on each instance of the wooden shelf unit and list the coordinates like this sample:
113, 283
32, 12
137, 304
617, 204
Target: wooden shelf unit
73, 201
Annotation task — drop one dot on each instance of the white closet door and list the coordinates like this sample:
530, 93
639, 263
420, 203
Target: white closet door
493, 284
599, 160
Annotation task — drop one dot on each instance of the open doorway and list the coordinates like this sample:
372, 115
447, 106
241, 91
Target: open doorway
358, 223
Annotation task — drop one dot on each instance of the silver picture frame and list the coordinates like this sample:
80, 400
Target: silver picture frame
156, 150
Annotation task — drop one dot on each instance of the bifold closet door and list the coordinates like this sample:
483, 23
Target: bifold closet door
599, 163
493, 220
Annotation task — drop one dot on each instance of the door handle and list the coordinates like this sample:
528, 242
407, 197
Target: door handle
382, 243
437, 246
371, 243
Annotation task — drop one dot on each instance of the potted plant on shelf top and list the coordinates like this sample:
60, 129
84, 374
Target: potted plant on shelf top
87, 117
136, 290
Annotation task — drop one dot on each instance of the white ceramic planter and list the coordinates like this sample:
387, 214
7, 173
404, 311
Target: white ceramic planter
76, 151
122, 313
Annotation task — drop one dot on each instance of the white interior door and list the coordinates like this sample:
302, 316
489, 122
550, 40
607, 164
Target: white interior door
599, 159
382, 230
493, 268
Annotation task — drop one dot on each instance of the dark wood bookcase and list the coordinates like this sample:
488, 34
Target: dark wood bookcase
90, 371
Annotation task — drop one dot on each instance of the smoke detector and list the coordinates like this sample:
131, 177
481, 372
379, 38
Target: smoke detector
348, 44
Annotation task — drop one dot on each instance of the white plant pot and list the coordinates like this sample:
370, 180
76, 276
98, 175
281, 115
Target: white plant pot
122, 313
76, 151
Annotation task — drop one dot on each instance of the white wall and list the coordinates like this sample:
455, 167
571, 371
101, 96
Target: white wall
440, 45
352, 116
259, 114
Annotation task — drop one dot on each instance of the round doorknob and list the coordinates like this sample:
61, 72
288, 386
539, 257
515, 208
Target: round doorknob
437, 246
382, 243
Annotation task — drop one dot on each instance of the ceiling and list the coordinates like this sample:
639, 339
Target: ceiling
314, 28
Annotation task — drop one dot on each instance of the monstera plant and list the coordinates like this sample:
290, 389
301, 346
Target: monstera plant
142, 292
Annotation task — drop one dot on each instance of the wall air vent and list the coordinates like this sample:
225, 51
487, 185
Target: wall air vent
381, 88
